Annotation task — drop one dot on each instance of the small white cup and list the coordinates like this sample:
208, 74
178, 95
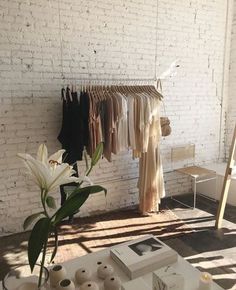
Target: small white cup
82, 275
103, 271
65, 284
112, 282
56, 274
89, 285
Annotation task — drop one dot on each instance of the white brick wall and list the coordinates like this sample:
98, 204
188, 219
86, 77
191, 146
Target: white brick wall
41, 39
231, 114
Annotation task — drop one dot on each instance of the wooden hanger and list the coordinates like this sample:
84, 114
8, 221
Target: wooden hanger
98, 91
63, 94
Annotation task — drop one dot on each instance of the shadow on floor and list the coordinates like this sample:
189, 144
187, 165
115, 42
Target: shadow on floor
190, 233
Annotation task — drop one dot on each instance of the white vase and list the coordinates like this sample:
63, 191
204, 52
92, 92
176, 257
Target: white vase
82, 275
112, 282
65, 284
28, 286
21, 278
103, 271
56, 274
89, 285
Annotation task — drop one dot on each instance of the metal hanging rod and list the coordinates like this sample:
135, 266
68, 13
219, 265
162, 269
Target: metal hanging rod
107, 79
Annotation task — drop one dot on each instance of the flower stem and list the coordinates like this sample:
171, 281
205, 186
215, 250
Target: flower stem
88, 172
43, 200
42, 263
86, 159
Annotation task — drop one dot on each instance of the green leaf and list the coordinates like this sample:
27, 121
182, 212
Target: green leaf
30, 219
75, 201
97, 154
69, 207
55, 245
88, 189
51, 202
38, 237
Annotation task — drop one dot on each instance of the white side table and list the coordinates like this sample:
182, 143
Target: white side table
92, 261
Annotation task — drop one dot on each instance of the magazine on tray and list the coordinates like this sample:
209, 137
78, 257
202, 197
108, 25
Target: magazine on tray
143, 255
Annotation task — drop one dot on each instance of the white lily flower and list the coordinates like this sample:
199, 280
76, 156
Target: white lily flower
42, 154
48, 173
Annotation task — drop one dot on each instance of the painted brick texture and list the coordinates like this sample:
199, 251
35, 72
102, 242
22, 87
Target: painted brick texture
42, 40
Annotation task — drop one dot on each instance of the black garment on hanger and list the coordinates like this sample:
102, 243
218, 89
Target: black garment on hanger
74, 134
84, 111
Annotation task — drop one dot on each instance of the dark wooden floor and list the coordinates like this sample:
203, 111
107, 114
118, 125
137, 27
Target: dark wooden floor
206, 248
190, 232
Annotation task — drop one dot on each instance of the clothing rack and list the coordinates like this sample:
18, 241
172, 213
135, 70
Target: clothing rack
107, 79
122, 117
85, 85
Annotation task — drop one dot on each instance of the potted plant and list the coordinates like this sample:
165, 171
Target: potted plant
49, 173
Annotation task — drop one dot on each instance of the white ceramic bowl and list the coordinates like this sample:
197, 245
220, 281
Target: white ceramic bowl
65, 284
103, 271
89, 285
82, 275
56, 274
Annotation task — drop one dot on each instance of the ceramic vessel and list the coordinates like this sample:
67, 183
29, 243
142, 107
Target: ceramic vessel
112, 282
82, 275
89, 285
56, 274
65, 284
28, 286
103, 271
21, 278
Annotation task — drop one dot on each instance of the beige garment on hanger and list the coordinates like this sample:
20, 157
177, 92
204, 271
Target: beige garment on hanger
122, 130
131, 122
151, 181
